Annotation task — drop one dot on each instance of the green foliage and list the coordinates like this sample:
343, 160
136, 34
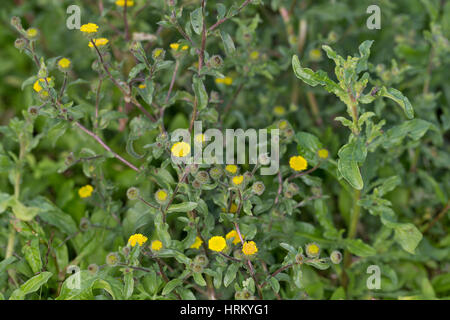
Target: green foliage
93, 207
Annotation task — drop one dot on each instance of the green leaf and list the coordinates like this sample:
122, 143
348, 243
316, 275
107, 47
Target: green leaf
197, 20
400, 99
32, 285
200, 93
21, 211
198, 278
129, 285
172, 284
230, 274
228, 43
314, 78
359, 248
408, 236
33, 255
182, 207
6, 262
349, 156
364, 51
274, 284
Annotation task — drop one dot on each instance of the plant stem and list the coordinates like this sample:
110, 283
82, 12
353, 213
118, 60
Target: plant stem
354, 219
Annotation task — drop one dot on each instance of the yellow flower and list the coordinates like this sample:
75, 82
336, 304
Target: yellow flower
227, 80
185, 47
312, 250
249, 248
157, 52
175, 46
89, 28
315, 55
231, 168
142, 86
137, 238
64, 63
156, 245
322, 153
233, 234
37, 87
98, 42
282, 124
180, 149
121, 3
32, 33
161, 195
279, 110
233, 208
200, 138
254, 55
217, 243
237, 180
198, 242
86, 191
298, 163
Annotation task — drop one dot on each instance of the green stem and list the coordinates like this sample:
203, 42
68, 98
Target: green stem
354, 219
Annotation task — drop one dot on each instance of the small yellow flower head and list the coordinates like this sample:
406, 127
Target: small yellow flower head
279, 111
37, 85
217, 243
312, 250
89, 28
198, 242
64, 64
156, 245
161, 196
121, 3
185, 47
315, 55
216, 172
180, 149
200, 138
32, 33
233, 208
231, 168
249, 248
283, 124
233, 234
298, 163
142, 86
158, 53
237, 180
137, 238
174, 46
322, 153
86, 191
99, 42
254, 55
227, 80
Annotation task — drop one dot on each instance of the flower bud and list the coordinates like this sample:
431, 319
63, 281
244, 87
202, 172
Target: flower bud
84, 224
158, 54
112, 259
16, 23
216, 172
196, 184
20, 44
133, 193
299, 258
202, 177
33, 111
336, 257
93, 268
197, 268
201, 259
215, 61
258, 187
32, 33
